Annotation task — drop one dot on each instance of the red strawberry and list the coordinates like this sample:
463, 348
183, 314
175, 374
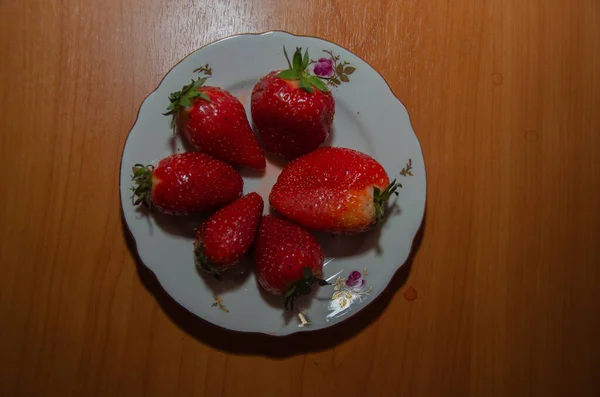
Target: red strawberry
333, 189
291, 116
215, 122
186, 183
225, 237
288, 259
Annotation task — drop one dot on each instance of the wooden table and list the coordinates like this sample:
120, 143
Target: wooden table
505, 98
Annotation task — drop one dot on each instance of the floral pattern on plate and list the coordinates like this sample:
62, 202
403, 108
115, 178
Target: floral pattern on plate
407, 170
332, 70
347, 292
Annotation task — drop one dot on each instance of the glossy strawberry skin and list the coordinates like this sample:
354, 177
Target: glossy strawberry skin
330, 189
193, 182
282, 249
227, 235
220, 128
290, 121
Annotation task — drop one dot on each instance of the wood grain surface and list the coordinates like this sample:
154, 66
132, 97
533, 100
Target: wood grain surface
504, 96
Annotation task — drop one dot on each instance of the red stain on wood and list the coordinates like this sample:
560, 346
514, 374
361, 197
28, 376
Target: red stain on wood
410, 294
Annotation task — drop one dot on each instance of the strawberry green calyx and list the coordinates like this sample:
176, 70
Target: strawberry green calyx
381, 198
297, 71
203, 264
301, 287
183, 98
142, 191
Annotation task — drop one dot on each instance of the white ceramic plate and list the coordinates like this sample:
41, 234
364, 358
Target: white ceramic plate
368, 117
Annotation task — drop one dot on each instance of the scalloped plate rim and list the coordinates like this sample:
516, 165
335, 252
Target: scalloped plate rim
373, 297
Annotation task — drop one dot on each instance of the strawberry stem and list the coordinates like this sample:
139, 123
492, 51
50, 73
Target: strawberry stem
297, 71
381, 198
301, 287
287, 58
184, 97
142, 191
205, 265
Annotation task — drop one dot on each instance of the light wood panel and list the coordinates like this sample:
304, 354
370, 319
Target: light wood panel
505, 98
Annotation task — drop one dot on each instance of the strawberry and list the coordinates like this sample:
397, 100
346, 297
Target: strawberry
215, 123
289, 260
224, 238
333, 189
292, 110
186, 183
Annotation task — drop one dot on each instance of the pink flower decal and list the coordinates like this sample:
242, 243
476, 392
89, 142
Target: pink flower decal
348, 291
324, 67
356, 281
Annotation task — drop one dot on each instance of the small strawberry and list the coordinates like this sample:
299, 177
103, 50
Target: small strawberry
186, 183
292, 110
215, 123
333, 189
289, 260
225, 237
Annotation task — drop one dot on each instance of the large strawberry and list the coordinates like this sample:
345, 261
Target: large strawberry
186, 183
289, 260
292, 110
333, 189
225, 237
215, 122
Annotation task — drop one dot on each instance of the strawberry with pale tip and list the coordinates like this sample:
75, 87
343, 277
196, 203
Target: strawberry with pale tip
333, 189
186, 183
